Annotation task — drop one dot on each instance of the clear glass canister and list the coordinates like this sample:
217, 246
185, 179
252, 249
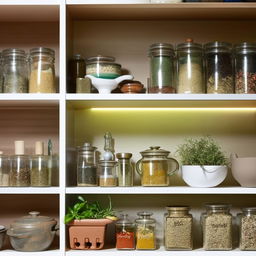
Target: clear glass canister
42, 71
219, 68
125, 233
15, 71
125, 170
19, 167
178, 228
86, 165
245, 68
145, 231
161, 68
217, 227
4, 170
1, 73
190, 68
247, 221
107, 171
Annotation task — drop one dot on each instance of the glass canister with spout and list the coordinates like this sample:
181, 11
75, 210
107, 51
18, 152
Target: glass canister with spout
155, 167
86, 165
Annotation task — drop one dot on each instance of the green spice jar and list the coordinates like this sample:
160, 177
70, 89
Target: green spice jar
161, 68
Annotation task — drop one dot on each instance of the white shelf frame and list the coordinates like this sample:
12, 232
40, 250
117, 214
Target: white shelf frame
29, 190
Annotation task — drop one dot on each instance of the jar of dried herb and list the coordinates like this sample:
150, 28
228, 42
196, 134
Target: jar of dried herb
247, 221
217, 227
107, 170
178, 228
42, 71
4, 170
124, 169
145, 231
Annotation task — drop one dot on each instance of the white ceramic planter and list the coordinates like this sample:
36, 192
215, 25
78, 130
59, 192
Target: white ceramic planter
203, 176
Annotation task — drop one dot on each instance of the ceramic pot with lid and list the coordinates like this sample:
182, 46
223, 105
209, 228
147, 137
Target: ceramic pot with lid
32, 233
155, 167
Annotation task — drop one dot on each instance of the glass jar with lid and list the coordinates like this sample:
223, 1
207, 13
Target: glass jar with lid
125, 170
42, 70
217, 227
219, 68
4, 170
178, 228
125, 233
15, 71
161, 68
247, 221
155, 167
245, 68
145, 231
103, 67
86, 165
190, 67
1, 73
107, 172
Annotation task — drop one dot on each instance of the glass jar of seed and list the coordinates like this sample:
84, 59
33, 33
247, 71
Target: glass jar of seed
217, 227
178, 228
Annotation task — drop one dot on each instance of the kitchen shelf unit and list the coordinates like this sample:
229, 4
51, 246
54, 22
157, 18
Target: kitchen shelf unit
44, 253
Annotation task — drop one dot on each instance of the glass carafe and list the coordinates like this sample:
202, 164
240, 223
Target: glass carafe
107, 171
4, 170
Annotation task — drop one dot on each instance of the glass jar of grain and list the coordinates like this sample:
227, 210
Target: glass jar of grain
178, 228
107, 170
217, 227
247, 221
4, 170
42, 71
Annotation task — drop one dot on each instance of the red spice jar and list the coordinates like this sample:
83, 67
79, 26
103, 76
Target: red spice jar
125, 234
130, 86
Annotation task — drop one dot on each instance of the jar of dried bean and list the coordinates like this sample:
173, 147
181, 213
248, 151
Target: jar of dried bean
245, 68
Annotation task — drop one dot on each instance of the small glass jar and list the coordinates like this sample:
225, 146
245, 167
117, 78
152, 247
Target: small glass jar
125, 233
86, 166
161, 68
125, 170
145, 231
245, 68
178, 228
42, 71
19, 167
190, 68
107, 170
217, 227
15, 71
247, 221
219, 68
103, 67
4, 170
131, 87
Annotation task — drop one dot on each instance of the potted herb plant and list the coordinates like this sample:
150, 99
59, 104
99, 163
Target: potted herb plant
87, 224
203, 162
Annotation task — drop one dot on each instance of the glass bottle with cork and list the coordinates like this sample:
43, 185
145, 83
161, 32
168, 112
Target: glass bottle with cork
4, 170
125, 170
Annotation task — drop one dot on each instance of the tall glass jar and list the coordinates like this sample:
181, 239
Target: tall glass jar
161, 68
190, 68
219, 68
107, 172
19, 167
125, 233
1, 73
178, 228
145, 231
4, 170
15, 71
42, 71
125, 170
245, 68
217, 227
86, 165
247, 221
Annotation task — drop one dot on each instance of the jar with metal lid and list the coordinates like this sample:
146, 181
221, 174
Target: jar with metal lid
161, 68
145, 231
107, 172
245, 68
131, 86
103, 67
247, 221
125, 169
125, 233
155, 167
178, 228
4, 170
42, 70
15, 71
86, 165
190, 67
217, 227
219, 67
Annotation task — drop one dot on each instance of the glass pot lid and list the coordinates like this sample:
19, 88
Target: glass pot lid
124, 220
249, 210
145, 218
87, 147
100, 59
155, 151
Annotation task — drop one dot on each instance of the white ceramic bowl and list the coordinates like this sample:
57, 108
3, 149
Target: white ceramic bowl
204, 177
